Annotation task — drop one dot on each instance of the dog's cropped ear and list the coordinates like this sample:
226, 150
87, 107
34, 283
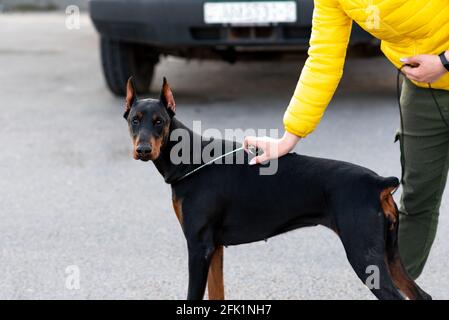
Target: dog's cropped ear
130, 97
167, 98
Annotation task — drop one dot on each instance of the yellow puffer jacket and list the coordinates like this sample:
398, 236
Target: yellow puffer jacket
406, 28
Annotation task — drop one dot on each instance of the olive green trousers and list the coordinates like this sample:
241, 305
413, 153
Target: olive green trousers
425, 156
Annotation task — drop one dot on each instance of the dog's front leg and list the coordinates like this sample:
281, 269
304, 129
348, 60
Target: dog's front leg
199, 261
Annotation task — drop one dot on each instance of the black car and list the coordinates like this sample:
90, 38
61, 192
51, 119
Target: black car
134, 33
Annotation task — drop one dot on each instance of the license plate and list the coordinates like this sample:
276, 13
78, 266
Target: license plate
250, 12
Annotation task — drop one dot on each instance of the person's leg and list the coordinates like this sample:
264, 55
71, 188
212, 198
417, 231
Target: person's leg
426, 157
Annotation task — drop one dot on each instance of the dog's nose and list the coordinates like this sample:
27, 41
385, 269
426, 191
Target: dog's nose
143, 150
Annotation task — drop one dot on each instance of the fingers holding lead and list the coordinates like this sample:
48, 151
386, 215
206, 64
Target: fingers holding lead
412, 73
413, 61
254, 145
258, 159
412, 68
249, 141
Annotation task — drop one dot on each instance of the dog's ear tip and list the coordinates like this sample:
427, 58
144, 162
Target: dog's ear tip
164, 81
167, 97
130, 89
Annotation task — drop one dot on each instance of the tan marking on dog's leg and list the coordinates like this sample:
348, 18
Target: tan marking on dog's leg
401, 279
177, 205
215, 282
398, 274
388, 206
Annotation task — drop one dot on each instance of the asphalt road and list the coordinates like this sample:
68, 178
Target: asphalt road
70, 194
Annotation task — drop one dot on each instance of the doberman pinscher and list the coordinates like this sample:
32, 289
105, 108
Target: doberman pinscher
231, 204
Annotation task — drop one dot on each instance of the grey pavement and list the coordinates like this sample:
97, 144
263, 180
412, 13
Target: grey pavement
70, 194
33, 5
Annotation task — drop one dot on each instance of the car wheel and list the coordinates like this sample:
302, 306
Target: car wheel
366, 49
121, 60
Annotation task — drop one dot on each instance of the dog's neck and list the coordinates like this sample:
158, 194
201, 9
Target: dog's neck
164, 164
188, 141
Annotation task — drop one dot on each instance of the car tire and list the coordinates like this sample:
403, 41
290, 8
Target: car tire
120, 60
366, 49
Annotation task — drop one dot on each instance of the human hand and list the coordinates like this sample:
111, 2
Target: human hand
424, 68
272, 148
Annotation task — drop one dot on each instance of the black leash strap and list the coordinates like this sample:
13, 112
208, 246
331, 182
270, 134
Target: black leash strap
401, 138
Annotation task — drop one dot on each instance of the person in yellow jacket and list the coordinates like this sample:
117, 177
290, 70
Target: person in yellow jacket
414, 33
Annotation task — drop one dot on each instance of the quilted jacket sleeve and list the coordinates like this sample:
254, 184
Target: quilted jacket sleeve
323, 69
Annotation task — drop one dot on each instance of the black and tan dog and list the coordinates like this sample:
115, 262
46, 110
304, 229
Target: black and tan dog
231, 204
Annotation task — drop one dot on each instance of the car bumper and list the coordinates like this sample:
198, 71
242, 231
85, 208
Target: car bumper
172, 23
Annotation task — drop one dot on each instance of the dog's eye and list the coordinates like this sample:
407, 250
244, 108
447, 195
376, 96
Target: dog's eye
158, 122
135, 121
